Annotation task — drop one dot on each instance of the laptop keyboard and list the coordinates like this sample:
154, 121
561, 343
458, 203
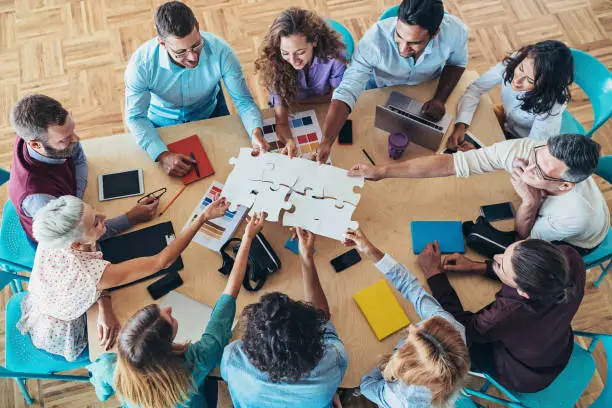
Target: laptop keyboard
414, 117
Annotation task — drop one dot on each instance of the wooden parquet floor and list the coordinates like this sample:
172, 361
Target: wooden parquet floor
77, 50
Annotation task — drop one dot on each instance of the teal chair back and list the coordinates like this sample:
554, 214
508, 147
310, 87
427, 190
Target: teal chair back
390, 12
596, 81
605, 398
4, 176
346, 37
16, 250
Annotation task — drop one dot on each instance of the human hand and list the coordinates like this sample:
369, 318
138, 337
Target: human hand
529, 194
290, 148
322, 153
430, 260
144, 211
215, 209
305, 244
175, 164
456, 138
254, 225
108, 325
358, 240
259, 143
433, 109
461, 263
368, 171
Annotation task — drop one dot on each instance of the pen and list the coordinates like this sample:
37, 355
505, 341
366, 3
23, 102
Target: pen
195, 165
368, 156
173, 200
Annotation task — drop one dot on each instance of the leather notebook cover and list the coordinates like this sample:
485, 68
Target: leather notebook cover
448, 234
193, 145
145, 242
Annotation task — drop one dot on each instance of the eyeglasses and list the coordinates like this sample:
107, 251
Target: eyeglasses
538, 169
155, 195
183, 53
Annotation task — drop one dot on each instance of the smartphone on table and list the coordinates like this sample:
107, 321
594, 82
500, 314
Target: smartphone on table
346, 133
346, 260
496, 212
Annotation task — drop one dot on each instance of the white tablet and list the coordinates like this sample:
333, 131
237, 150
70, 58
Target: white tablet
122, 184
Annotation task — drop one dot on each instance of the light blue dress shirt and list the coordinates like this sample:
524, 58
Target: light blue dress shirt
251, 388
160, 93
377, 55
398, 394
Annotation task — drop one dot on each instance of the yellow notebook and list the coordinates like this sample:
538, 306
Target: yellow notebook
381, 309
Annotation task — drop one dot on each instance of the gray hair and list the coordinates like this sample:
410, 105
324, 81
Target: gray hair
579, 153
58, 223
32, 115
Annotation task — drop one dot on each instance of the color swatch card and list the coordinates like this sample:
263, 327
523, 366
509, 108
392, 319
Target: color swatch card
192, 147
214, 233
381, 309
304, 127
448, 234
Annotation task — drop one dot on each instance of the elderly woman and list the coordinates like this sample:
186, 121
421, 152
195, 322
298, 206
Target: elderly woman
70, 275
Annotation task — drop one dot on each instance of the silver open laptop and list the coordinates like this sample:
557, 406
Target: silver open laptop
403, 114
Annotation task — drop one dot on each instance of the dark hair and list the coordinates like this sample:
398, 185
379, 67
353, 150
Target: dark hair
553, 71
425, 13
541, 270
283, 337
32, 115
276, 73
174, 19
579, 153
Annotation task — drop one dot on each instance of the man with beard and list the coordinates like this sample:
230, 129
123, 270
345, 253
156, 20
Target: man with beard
167, 84
49, 162
420, 44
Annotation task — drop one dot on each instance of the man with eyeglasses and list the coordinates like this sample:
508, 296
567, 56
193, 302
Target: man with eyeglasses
175, 79
560, 199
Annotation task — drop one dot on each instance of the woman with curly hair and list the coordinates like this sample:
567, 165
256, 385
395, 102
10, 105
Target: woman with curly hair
301, 60
290, 353
535, 91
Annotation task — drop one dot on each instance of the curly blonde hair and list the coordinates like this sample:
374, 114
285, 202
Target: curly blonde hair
278, 75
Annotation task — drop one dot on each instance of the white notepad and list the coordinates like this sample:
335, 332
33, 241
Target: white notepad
192, 316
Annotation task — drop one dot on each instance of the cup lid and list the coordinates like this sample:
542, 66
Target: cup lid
398, 139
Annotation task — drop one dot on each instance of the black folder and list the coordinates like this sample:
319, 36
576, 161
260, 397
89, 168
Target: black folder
145, 242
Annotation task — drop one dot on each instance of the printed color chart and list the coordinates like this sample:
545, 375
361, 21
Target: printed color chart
214, 233
304, 127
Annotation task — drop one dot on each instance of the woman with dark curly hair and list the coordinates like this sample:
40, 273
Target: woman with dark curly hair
302, 59
535, 91
290, 353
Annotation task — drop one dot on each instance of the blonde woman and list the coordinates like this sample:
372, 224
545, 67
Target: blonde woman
428, 366
150, 370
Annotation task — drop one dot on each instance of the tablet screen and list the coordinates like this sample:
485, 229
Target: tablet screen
120, 184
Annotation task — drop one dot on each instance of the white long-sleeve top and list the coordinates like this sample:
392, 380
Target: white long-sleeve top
518, 122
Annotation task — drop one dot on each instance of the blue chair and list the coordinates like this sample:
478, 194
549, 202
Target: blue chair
346, 36
566, 389
4, 176
390, 12
16, 250
596, 81
23, 360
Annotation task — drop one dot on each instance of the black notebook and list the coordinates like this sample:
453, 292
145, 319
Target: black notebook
145, 242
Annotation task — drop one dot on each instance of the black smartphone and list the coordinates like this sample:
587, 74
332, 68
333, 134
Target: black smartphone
346, 260
495, 212
169, 282
346, 133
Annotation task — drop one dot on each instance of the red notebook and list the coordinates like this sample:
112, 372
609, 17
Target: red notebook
193, 145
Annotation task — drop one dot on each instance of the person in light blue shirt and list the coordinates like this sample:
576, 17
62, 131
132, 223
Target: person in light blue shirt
429, 365
420, 44
175, 78
290, 354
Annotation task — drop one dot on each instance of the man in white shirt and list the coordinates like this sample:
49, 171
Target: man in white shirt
560, 200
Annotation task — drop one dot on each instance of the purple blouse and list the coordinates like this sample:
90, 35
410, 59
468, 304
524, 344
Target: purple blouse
323, 74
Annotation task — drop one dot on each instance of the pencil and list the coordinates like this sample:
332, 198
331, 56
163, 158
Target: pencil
171, 201
368, 156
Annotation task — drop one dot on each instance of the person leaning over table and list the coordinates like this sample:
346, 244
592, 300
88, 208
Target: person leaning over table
430, 363
535, 91
290, 353
523, 338
70, 275
149, 370
49, 162
301, 60
420, 44
560, 199
176, 78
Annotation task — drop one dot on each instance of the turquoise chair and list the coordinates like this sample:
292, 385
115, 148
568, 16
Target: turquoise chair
596, 81
16, 250
390, 12
603, 252
346, 36
24, 361
566, 389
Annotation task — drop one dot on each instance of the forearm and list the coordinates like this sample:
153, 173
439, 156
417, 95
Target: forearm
116, 226
439, 165
236, 277
313, 292
525, 218
282, 124
336, 116
448, 80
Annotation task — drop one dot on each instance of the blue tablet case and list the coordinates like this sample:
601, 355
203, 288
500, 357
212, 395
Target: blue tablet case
448, 234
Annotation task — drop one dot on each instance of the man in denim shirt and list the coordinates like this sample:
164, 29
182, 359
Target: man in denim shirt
290, 353
165, 84
420, 44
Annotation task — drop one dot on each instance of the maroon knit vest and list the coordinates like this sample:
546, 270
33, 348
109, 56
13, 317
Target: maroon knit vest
29, 176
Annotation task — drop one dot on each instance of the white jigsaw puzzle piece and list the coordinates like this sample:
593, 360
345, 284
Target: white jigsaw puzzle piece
272, 201
278, 170
247, 166
320, 216
310, 178
339, 186
304, 214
